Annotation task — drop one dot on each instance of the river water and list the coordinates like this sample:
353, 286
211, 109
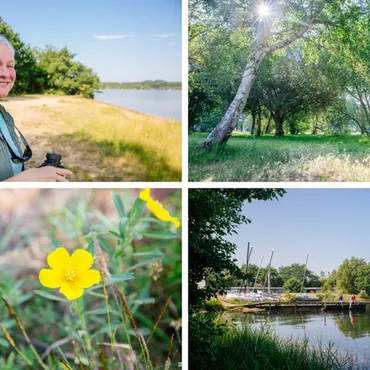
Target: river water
160, 103
347, 331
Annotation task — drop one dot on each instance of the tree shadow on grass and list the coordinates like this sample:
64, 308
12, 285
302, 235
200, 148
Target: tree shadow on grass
151, 166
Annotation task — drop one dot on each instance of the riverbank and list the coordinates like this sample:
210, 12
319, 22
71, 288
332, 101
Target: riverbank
215, 344
98, 141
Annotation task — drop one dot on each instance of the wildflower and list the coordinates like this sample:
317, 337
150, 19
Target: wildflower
157, 208
71, 274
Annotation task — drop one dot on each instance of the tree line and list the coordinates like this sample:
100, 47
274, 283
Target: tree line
351, 277
143, 85
304, 69
50, 70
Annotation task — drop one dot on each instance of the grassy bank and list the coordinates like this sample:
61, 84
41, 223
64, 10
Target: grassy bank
226, 347
99, 142
292, 158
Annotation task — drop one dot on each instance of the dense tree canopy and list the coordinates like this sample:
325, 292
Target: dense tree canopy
214, 214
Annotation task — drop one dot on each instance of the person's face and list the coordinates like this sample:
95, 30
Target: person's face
7, 71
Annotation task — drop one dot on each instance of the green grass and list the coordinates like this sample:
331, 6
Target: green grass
291, 158
231, 348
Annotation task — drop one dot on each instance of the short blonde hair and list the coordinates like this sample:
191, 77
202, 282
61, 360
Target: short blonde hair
5, 41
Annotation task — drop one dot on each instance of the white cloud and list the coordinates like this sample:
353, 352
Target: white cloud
162, 35
111, 37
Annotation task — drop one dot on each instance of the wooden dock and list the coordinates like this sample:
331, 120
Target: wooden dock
309, 305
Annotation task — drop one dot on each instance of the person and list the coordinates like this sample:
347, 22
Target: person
14, 149
351, 301
340, 299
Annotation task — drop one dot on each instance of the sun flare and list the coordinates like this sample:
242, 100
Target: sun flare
263, 10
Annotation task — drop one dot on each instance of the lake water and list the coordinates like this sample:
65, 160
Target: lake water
160, 103
348, 331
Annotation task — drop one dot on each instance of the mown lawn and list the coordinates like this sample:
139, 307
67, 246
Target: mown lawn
99, 142
328, 158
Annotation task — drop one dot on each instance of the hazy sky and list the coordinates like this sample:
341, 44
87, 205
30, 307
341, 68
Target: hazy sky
330, 225
122, 40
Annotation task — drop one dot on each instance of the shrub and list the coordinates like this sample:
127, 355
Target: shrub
213, 305
235, 301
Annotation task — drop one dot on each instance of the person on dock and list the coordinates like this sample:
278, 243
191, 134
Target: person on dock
14, 149
351, 301
340, 300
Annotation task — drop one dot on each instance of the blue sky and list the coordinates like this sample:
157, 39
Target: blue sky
122, 40
328, 224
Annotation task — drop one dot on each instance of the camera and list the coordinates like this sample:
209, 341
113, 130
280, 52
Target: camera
53, 159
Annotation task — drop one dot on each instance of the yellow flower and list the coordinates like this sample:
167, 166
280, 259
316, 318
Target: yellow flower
71, 274
157, 209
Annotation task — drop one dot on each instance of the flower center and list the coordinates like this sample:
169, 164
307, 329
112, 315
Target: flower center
70, 275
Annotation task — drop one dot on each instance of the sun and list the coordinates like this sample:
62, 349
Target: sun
263, 10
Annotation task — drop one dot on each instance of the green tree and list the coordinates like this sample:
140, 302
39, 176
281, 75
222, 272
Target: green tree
362, 280
348, 273
293, 285
66, 75
214, 214
31, 78
297, 271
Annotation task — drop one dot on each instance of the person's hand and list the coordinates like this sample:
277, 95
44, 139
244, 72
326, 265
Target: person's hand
43, 174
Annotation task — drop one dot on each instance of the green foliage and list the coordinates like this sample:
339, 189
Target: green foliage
348, 272
213, 214
66, 75
203, 333
213, 305
293, 285
31, 78
363, 294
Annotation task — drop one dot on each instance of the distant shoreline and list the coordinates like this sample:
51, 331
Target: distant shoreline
144, 85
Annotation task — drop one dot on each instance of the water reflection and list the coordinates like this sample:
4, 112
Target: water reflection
348, 331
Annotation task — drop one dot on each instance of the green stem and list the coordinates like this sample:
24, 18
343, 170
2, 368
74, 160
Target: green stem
81, 311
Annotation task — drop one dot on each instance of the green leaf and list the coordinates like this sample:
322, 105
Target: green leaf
114, 279
155, 253
122, 226
116, 234
50, 296
4, 343
151, 219
136, 211
143, 300
144, 263
159, 235
98, 311
119, 205
99, 295
54, 244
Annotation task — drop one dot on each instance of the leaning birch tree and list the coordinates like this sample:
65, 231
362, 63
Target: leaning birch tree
276, 24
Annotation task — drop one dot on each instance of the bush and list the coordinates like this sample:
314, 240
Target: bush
363, 295
235, 301
213, 305
203, 331
293, 285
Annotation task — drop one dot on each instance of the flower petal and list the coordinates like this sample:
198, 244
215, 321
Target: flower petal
71, 291
145, 194
51, 278
59, 259
81, 260
88, 279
